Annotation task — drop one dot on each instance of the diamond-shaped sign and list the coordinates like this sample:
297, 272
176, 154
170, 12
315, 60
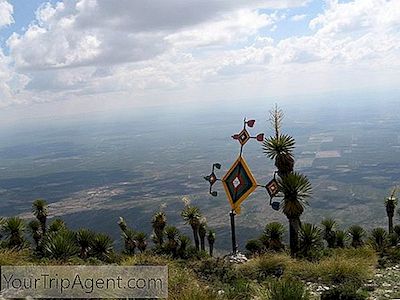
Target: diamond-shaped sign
238, 183
272, 188
243, 137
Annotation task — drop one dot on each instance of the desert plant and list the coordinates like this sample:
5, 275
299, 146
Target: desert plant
357, 234
390, 205
128, 236
192, 216
254, 246
310, 240
14, 228
61, 246
329, 231
287, 289
211, 241
296, 189
184, 243
141, 240
39, 209
273, 233
36, 232
202, 234
84, 239
343, 292
102, 246
396, 230
378, 239
172, 234
341, 238
158, 222
56, 225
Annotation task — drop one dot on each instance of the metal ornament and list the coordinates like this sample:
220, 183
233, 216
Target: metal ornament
212, 178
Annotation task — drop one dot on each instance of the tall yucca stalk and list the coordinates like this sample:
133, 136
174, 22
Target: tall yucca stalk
39, 209
390, 205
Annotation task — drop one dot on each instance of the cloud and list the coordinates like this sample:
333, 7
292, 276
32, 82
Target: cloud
298, 18
6, 13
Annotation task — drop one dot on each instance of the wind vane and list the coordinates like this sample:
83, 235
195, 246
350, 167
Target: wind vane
239, 181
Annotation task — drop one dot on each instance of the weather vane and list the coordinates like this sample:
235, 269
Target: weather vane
239, 181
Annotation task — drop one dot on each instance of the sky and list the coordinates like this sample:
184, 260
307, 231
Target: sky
78, 55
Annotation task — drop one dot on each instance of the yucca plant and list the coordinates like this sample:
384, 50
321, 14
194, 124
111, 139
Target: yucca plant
296, 188
39, 209
192, 216
36, 232
102, 246
84, 238
128, 236
141, 240
14, 228
329, 231
57, 225
357, 234
61, 246
279, 147
159, 221
172, 234
273, 233
390, 205
211, 240
310, 240
378, 239
202, 234
341, 238
396, 231
184, 243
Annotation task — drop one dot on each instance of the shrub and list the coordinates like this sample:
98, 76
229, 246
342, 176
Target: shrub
254, 246
378, 239
287, 289
61, 246
217, 270
357, 234
310, 241
273, 234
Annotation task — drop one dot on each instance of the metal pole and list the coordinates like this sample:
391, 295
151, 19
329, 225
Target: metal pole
234, 246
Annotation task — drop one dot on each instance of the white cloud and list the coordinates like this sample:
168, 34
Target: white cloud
298, 18
6, 13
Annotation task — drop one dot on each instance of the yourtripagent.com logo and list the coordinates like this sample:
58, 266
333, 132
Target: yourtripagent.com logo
84, 282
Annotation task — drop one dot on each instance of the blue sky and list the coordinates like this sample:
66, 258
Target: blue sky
86, 54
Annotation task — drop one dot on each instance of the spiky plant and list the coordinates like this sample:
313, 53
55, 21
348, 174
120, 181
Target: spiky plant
14, 228
396, 230
61, 246
141, 240
341, 238
296, 188
390, 205
378, 239
172, 234
84, 238
280, 148
329, 231
158, 222
56, 225
310, 239
211, 240
273, 233
102, 246
36, 232
39, 209
357, 234
184, 243
128, 236
192, 216
202, 234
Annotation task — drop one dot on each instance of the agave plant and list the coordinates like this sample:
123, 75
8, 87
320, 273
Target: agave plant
172, 234
310, 239
273, 234
357, 234
14, 228
61, 246
341, 238
141, 240
159, 222
329, 231
192, 216
102, 246
211, 240
36, 232
378, 239
84, 239
202, 234
39, 209
390, 205
184, 243
296, 189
